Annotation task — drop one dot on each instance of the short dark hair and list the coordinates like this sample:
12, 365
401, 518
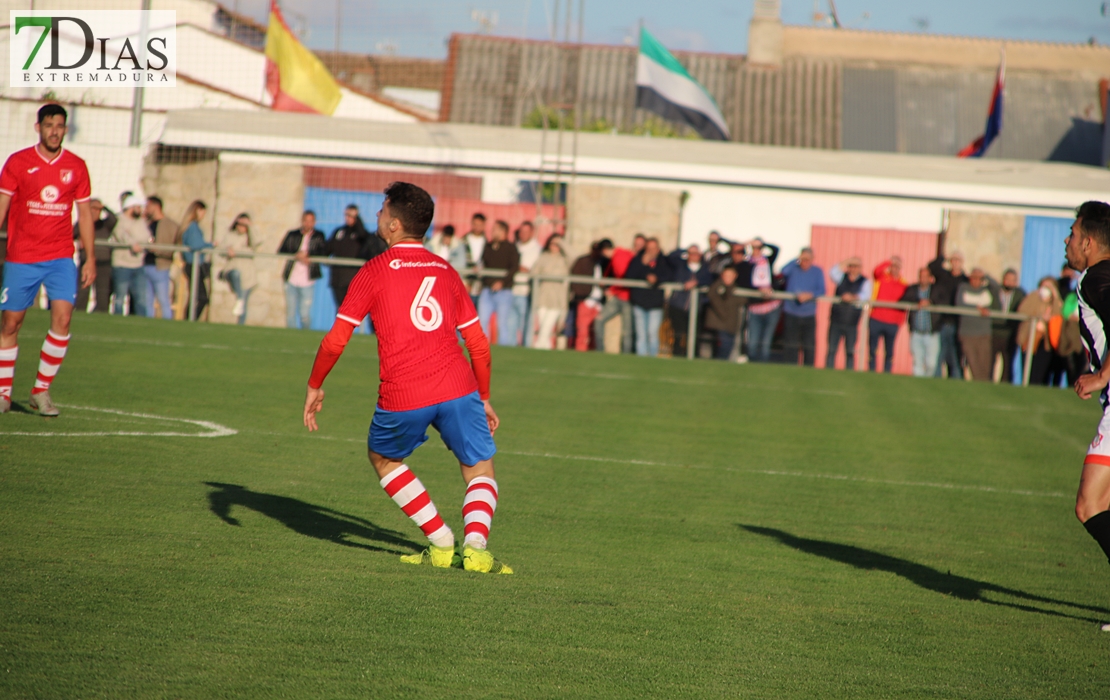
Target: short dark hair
479, 216
598, 246
640, 235
1094, 219
50, 110
410, 205
504, 225
308, 212
352, 205
235, 221
155, 199
448, 230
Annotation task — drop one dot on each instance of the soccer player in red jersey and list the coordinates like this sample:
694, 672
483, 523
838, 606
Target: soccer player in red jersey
418, 303
38, 188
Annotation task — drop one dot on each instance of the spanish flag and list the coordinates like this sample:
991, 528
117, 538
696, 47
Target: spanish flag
295, 78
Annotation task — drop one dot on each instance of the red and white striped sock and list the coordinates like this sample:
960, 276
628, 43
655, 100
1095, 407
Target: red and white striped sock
478, 508
7, 371
50, 360
408, 493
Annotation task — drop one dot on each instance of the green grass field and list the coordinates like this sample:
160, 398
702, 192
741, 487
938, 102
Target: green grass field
678, 529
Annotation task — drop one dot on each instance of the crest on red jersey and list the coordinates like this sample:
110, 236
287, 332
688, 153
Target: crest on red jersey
67, 177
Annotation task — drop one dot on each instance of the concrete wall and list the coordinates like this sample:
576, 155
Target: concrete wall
273, 194
987, 240
179, 184
619, 213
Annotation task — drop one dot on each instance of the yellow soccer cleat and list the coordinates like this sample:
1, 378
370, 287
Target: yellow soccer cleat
482, 561
439, 557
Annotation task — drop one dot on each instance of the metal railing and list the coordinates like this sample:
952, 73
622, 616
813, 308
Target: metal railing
865, 305
695, 292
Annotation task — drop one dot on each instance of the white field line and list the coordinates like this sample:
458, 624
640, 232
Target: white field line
213, 429
688, 382
803, 475
765, 472
202, 346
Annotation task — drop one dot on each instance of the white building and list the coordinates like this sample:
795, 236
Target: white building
214, 72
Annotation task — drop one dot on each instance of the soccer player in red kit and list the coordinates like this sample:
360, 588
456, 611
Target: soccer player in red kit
418, 303
38, 188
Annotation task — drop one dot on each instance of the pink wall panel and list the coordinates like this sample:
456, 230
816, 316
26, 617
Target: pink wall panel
834, 244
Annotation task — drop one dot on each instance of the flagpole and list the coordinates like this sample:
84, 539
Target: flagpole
338, 20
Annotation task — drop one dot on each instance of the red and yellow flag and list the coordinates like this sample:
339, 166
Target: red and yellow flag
295, 78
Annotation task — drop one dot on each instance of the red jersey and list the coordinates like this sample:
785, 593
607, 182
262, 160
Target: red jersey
886, 287
40, 223
417, 302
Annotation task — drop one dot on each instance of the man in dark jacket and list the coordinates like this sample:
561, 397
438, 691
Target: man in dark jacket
497, 292
587, 298
723, 313
351, 240
948, 280
851, 286
690, 270
925, 325
647, 304
1004, 332
103, 223
300, 275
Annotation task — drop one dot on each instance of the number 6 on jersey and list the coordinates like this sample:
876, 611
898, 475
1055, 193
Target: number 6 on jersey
425, 312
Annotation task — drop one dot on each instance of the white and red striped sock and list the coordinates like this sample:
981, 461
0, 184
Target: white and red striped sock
408, 493
7, 371
478, 508
50, 360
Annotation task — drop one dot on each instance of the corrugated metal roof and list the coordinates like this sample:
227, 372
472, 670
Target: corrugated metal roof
463, 146
809, 102
939, 111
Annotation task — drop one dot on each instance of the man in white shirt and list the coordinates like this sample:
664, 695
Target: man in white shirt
529, 249
476, 245
300, 275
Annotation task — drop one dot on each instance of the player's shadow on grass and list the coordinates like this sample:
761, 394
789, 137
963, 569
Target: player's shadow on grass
304, 518
931, 579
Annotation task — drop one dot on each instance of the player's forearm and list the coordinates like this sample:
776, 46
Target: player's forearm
1104, 373
87, 229
331, 347
478, 346
5, 202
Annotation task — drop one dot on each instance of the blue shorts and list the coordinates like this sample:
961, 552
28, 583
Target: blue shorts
22, 280
461, 423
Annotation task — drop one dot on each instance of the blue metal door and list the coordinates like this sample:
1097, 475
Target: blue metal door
1042, 252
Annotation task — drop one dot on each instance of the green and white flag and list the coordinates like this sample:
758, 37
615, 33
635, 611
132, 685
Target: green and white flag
664, 87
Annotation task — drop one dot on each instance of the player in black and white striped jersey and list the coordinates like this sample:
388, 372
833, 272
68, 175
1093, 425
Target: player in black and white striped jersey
1088, 251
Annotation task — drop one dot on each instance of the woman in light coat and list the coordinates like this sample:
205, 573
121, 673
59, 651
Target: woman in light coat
553, 295
127, 262
1044, 304
239, 271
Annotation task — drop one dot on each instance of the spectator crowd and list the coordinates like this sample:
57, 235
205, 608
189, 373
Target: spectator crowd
653, 314
757, 325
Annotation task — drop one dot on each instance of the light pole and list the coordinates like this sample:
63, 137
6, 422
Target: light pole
137, 99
